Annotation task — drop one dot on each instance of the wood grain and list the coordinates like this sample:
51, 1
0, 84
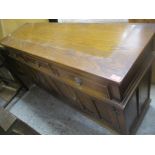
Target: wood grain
104, 50
101, 69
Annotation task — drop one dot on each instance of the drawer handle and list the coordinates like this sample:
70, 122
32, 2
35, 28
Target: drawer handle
78, 81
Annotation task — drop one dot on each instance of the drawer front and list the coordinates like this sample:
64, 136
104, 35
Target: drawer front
21, 71
83, 84
28, 60
69, 77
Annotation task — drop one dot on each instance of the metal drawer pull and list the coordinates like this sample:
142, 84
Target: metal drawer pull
78, 81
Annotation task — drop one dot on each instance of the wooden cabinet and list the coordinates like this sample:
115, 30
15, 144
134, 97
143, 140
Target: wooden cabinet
103, 70
142, 20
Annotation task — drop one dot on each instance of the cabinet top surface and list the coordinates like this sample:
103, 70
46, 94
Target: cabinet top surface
106, 50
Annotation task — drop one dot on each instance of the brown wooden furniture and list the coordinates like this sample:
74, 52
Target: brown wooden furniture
146, 21
103, 70
142, 20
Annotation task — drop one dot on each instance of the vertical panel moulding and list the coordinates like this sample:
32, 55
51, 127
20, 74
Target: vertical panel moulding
149, 82
137, 98
98, 112
114, 92
120, 121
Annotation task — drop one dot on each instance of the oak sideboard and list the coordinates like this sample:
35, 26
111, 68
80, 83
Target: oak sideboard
103, 70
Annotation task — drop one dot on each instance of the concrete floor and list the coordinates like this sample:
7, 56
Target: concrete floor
47, 115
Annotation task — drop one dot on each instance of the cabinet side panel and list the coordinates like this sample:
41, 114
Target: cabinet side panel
130, 111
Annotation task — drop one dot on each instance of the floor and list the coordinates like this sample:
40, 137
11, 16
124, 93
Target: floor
47, 115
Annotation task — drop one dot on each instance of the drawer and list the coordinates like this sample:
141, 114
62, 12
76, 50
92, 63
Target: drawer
16, 56
79, 82
69, 77
28, 60
84, 84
